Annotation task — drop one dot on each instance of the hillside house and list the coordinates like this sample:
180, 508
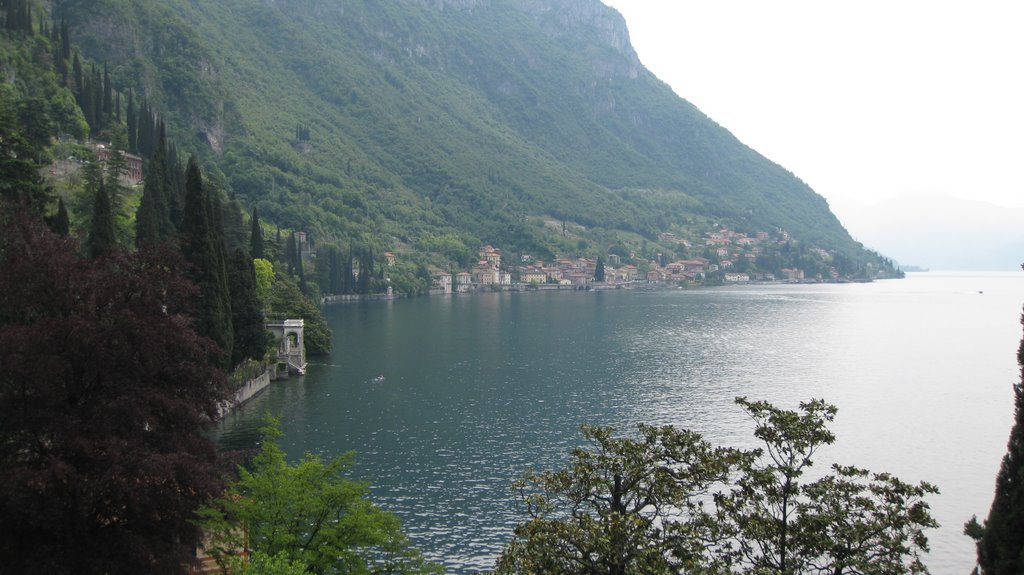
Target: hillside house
491, 255
443, 280
134, 163
627, 273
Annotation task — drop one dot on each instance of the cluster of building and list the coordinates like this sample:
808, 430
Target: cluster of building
727, 246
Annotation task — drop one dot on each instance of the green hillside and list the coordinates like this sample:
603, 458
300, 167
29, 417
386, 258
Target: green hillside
440, 125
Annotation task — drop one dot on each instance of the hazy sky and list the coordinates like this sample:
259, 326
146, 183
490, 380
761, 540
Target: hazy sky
865, 101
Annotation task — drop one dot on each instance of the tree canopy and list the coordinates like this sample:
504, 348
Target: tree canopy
669, 502
310, 513
105, 394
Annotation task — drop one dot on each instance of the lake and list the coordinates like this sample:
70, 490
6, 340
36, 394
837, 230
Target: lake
476, 388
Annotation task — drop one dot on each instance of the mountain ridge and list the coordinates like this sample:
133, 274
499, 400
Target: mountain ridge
470, 118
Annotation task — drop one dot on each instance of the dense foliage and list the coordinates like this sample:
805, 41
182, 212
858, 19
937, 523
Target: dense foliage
669, 502
105, 393
309, 513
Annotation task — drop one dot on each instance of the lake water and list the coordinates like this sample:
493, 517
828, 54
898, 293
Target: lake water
477, 388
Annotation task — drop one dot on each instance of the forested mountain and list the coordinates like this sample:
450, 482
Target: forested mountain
440, 125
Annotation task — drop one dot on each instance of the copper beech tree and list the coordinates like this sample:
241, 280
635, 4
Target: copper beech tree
105, 393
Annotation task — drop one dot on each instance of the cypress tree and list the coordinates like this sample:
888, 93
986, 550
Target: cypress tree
96, 99
302, 274
108, 94
76, 67
365, 271
289, 253
153, 221
101, 234
256, 236
599, 271
334, 276
213, 316
61, 224
221, 270
175, 183
88, 110
251, 336
347, 276
1000, 540
65, 40
19, 174
132, 122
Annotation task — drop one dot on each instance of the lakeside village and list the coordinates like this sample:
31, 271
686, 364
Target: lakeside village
734, 254
728, 257
734, 251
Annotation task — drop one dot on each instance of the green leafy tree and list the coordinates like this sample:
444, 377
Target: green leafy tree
599, 271
1000, 539
259, 563
622, 506
310, 513
264, 280
849, 522
670, 503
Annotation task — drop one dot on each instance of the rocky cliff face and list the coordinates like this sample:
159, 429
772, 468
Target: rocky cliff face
591, 17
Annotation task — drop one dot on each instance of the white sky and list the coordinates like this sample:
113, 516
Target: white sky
865, 101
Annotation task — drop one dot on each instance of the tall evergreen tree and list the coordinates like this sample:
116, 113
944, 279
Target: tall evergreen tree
101, 235
60, 223
215, 209
65, 40
176, 185
365, 271
334, 276
213, 313
250, 334
300, 270
20, 181
1000, 540
256, 235
77, 89
96, 100
289, 254
599, 271
348, 279
153, 220
108, 94
132, 121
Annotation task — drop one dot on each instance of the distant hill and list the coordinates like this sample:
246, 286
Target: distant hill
444, 122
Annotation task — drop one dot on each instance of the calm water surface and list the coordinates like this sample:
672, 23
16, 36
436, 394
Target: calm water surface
478, 388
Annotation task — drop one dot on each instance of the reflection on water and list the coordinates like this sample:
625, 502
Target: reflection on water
476, 389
